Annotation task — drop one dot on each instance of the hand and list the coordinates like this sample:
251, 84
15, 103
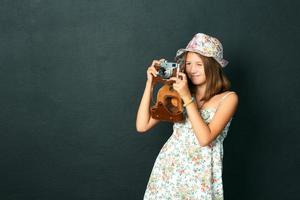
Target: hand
181, 86
152, 71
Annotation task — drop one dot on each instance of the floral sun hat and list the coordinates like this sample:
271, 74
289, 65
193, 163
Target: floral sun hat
207, 46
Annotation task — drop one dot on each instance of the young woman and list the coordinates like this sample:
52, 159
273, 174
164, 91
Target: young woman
189, 165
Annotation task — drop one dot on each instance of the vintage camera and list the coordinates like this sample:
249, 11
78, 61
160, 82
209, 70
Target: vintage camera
168, 69
168, 105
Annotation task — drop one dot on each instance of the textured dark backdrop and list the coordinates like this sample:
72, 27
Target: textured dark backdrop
72, 74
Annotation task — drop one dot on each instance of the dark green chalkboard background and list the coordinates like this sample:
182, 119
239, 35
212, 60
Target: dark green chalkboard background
72, 74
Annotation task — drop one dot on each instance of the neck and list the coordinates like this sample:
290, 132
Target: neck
200, 91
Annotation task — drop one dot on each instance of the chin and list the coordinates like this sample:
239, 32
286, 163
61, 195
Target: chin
197, 81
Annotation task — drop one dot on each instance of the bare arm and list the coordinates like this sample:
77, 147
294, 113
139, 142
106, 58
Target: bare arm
144, 121
207, 133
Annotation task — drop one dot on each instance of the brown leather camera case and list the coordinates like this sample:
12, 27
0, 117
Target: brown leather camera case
168, 106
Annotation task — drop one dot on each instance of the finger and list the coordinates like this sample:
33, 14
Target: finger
176, 87
152, 69
155, 62
153, 72
177, 80
183, 75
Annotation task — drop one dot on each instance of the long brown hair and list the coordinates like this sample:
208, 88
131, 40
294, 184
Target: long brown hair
216, 80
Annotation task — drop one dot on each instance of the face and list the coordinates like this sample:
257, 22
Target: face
194, 68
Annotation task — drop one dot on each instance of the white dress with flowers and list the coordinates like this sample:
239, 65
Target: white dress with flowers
184, 170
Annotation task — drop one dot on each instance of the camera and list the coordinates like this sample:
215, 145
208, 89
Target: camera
168, 69
168, 106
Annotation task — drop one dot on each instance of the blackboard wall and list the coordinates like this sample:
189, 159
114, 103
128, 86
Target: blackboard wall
72, 75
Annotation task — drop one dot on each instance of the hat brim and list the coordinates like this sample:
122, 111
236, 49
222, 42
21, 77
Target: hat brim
221, 61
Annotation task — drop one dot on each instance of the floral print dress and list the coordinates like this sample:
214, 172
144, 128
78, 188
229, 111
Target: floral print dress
186, 170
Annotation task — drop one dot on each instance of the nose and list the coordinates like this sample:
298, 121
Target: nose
193, 68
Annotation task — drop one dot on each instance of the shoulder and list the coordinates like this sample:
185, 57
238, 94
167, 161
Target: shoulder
227, 94
232, 95
230, 98
227, 106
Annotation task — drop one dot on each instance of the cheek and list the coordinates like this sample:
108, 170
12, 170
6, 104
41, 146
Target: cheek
187, 71
188, 74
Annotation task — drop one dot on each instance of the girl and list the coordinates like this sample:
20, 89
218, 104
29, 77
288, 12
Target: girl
189, 165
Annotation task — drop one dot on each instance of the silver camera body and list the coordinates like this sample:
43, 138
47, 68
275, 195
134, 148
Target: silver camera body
166, 69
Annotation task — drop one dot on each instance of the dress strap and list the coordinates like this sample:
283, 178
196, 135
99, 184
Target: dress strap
221, 101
